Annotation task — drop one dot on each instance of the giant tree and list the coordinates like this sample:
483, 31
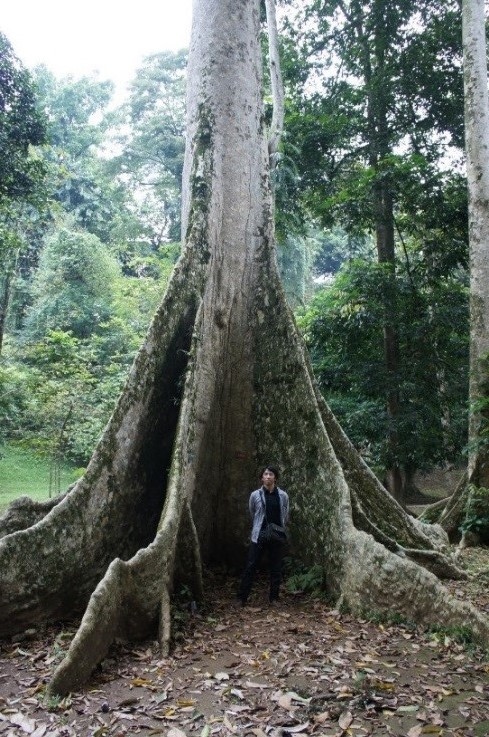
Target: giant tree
221, 382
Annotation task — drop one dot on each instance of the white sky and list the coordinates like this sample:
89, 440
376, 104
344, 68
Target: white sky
109, 37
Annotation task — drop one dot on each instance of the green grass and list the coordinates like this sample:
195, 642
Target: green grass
23, 473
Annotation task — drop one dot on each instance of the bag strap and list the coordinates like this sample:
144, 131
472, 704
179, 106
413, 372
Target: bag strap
279, 506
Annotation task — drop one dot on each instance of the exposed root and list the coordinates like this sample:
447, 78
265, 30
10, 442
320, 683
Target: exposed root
197, 578
134, 595
164, 630
51, 568
432, 560
99, 626
454, 512
398, 531
432, 512
377, 580
25, 512
126, 603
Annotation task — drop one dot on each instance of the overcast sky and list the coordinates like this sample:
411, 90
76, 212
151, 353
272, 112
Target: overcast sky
110, 37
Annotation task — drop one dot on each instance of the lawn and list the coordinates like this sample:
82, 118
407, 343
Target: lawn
25, 473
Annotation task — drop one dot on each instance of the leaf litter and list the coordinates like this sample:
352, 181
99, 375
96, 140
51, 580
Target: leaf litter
299, 669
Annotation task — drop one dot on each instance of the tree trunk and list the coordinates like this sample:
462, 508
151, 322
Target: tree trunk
221, 385
373, 66
477, 150
384, 214
5, 293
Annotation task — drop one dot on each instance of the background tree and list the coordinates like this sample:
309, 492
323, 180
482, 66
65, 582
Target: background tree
467, 509
340, 326
152, 143
69, 296
221, 382
22, 127
477, 145
368, 97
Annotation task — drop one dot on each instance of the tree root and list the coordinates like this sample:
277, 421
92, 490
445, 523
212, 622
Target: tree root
127, 603
25, 512
114, 509
432, 512
376, 580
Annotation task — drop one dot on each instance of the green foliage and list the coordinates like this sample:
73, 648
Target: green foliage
307, 580
21, 127
72, 287
480, 409
477, 513
152, 143
461, 634
86, 273
389, 618
342, 328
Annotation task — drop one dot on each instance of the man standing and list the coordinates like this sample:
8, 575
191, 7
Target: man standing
269, 506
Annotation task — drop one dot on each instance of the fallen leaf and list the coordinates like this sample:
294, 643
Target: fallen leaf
295, 729
222, 676
141, 682
408, 709
295, 697
175, 732
415, 731
40, 731
345, 720
20, 720
285, 701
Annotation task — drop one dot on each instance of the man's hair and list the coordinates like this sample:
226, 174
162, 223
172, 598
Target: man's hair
272, 469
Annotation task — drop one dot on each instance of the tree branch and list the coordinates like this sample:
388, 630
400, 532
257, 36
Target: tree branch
277, 124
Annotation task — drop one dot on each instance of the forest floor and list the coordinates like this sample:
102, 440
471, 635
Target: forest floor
299, 669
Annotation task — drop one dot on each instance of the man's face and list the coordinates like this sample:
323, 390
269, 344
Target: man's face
268, 479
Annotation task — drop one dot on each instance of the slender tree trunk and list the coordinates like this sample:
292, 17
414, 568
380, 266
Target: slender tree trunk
383, 207
5, 294
384, 212
221, 386
477, 148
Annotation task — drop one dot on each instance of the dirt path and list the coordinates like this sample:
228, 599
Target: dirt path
299, 669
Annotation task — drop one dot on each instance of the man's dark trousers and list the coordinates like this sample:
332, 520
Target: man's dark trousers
275, 552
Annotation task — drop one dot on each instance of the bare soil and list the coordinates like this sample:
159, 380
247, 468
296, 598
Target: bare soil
299, 669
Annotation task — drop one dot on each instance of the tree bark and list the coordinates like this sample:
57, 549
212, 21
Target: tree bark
221, 386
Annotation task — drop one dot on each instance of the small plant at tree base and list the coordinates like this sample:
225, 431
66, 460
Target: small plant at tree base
460, 634
392, 618
477, 513
308, 581
52, 702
